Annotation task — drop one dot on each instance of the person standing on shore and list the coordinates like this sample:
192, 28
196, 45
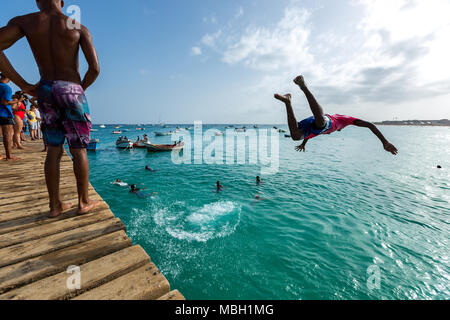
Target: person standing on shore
55, 40
6, 117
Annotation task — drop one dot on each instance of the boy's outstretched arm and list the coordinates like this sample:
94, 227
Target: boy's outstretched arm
386, 144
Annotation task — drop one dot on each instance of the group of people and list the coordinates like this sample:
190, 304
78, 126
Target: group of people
15, 118
219, 188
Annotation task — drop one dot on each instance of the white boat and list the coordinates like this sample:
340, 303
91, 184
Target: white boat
124, 143
218, 134
103, 126
142, 144
117, 132
241, 130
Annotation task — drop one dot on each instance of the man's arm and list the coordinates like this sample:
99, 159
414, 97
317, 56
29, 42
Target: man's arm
9, 35
91, 57
302, 147
386, 144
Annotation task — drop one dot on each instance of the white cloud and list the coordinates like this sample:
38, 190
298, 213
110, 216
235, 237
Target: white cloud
196, 51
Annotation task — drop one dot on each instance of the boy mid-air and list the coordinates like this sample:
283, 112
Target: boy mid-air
321, 123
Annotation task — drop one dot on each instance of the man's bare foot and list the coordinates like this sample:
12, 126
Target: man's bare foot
2, 157
58, 210
300, 81
286, 98
21, 148
85, 209
12, 158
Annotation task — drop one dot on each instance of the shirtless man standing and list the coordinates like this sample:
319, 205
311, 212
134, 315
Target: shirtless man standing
55, 40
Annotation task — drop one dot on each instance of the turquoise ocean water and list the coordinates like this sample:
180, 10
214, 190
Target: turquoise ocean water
331, 220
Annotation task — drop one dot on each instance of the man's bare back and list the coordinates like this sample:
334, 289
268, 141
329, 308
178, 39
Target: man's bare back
55, 45
55, 40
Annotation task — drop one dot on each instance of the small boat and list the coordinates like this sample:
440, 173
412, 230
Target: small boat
94, 130
124, 143
287, 136
103, 126
162, 134
92, 146
117, 132
188, 128
244, 129
117, 127
282, 131
165, 147
141, 144
255, 126
276, 128
218, 134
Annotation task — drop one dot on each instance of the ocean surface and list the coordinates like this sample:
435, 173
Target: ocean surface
345, 220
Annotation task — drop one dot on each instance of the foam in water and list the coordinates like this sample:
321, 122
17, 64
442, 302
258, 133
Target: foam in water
214, 220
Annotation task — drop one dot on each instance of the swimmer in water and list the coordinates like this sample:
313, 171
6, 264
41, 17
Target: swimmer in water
139, 193
258, 180
149, 169
321, 123
120, 183
219, 187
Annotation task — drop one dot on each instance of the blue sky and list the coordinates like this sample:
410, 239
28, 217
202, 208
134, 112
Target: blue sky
221, 61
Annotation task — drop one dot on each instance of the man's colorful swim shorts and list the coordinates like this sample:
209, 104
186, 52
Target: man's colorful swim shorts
65, 114
309, 128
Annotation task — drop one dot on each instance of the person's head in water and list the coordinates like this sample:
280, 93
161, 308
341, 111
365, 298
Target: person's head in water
4, 78
439, 167
45, 5
219, 186
133, 187
258, 179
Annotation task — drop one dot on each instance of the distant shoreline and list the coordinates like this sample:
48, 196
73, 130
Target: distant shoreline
416, 123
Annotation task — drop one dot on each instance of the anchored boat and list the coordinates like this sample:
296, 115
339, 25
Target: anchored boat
165, 147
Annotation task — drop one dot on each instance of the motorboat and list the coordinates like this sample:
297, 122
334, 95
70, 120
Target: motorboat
103, 126
123, 143
117, 132
165, 147
244, 129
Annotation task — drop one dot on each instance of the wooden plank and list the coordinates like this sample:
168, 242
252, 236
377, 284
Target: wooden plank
43, 231
92, 275
26, 209
42, 219
50, 264
32, 249
37, 195
174, 295
145, 283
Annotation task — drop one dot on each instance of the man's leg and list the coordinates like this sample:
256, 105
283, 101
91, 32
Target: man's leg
81, 169
8, 132
52, 175
313, 104
296, 133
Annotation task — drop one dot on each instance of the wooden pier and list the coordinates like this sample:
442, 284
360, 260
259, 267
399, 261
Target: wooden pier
37, 253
